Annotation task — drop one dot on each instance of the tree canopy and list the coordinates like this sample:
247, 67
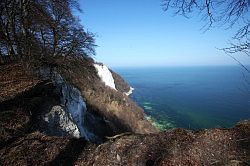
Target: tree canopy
39, 28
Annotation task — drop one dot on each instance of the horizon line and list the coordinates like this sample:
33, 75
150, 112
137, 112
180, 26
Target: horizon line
153, 66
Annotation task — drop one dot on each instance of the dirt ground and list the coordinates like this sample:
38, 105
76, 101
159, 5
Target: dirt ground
170, 148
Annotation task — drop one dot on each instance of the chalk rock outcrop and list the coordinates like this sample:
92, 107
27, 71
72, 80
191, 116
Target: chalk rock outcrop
60, 123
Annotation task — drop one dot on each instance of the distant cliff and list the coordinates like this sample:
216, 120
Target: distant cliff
120, 83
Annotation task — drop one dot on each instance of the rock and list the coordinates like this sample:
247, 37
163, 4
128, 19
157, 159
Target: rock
74, 105
60, 123
118, 158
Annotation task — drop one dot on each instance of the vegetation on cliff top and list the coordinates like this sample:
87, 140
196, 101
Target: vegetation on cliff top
34, 29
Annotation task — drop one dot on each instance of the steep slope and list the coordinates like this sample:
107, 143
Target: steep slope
67, 97
120, 83
119, 112
14, 80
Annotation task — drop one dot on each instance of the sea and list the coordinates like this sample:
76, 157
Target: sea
190, 97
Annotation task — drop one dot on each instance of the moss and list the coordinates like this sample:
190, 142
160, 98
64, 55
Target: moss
161, 125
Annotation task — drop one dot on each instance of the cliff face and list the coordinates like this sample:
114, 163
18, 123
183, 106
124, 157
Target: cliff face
120, 83
78, 101
58, 117
118, 111
105, 75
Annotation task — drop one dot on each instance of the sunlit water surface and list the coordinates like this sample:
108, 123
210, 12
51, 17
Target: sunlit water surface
190, 97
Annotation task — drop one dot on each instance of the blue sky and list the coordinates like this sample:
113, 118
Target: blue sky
140, 33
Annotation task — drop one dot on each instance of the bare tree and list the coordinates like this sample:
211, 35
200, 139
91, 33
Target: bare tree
33, 29
227, 13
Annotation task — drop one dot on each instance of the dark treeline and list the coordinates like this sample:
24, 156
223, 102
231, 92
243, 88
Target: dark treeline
33, 29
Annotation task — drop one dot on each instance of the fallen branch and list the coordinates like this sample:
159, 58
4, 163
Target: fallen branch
118, 136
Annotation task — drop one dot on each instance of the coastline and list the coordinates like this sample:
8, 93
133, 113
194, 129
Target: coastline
130, 91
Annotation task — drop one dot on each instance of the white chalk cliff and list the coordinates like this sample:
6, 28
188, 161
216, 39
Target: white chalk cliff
58, 118
68, 118
105, 75
75, 106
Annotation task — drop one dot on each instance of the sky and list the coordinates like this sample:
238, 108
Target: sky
139, 33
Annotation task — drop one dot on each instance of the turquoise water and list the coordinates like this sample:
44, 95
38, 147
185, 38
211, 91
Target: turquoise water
190, 97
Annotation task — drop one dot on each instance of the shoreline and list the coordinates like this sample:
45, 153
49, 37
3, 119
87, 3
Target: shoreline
130, 91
